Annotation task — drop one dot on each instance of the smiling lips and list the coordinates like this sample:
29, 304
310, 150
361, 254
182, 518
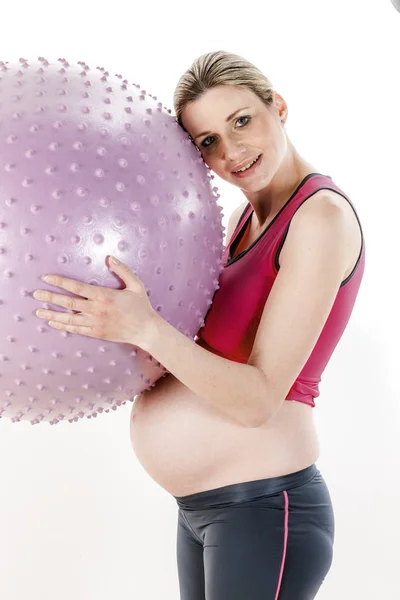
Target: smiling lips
245, 166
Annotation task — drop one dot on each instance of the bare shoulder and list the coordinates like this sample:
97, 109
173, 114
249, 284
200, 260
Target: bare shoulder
329, 206
323, 200
329, 202
233, 221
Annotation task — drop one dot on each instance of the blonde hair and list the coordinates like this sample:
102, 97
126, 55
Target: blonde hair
219, 68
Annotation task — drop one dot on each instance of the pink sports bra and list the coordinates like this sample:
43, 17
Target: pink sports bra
246, 280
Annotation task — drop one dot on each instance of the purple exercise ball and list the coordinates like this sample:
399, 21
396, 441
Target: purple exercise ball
91, 165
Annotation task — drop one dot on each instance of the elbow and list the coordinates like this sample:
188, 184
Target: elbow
264, 406
260, 413
257, 421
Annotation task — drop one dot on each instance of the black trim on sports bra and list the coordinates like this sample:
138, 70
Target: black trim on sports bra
235, 243
276, 262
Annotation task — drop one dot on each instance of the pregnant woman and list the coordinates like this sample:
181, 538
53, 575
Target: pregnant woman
229, 432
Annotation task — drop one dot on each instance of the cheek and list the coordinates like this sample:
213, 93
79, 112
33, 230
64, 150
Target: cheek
210, 160
215, 165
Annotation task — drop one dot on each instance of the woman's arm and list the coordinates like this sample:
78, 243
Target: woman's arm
313, 262
236, 389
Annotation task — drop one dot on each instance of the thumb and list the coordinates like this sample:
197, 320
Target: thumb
123, 271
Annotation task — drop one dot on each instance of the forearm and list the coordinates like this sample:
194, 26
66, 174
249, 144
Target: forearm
238, 390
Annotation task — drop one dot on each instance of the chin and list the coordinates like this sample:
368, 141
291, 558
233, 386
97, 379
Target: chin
251, 189
251, 186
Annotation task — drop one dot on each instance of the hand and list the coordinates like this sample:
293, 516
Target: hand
115, 315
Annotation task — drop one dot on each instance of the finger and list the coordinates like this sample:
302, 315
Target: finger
64, 318
128, 276
67, 302
77, 329
86, 290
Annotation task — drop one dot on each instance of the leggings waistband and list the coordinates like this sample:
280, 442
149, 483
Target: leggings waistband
248, 490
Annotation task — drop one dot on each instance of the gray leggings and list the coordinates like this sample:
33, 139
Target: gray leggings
269, 539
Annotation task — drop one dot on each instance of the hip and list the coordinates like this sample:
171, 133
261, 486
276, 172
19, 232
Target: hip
256, 539
306, 489
299, 498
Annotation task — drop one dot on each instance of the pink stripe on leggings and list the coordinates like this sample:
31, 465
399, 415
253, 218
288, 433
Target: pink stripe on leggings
284, 543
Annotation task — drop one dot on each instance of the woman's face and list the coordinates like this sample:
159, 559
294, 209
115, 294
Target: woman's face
232, 128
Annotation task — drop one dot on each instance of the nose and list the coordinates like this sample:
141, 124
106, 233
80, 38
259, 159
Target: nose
233, 152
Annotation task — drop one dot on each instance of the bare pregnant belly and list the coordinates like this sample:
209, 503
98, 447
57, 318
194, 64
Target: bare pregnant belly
188, 446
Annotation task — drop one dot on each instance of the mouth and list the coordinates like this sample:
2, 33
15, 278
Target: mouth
248, 168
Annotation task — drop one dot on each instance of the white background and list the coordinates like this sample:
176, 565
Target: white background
79, 517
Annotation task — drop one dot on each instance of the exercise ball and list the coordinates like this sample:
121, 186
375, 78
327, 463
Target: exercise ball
90, 166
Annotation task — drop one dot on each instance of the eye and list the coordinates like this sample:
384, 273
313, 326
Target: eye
244, 117
203, 143
207, 144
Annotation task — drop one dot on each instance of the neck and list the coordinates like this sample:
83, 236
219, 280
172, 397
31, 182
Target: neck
269, 200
